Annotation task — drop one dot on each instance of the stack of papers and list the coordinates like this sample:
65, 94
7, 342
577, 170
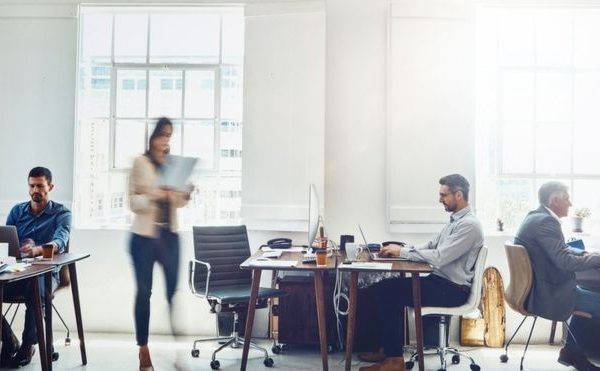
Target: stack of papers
272, 254
291, 249
272, 263
12, 268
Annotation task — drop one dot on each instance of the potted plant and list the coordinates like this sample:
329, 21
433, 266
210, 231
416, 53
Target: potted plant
578, 215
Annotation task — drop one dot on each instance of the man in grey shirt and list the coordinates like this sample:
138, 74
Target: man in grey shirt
452, 253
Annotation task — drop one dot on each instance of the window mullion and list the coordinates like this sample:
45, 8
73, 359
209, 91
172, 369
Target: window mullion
113, 100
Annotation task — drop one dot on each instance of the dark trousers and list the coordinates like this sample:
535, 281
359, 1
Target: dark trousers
584, 329
146, 251
24, 289
393, 295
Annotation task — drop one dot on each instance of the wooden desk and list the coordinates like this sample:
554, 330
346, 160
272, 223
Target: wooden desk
589, 279
397, 267
68, 259
31, 273
332, 263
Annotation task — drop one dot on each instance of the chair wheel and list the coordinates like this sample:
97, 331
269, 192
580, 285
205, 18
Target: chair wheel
195, 353
215, 365
504, 358
55, 356
455, 359
441, 369
67, 342
268, 362
409, 365
474, 367
276, 349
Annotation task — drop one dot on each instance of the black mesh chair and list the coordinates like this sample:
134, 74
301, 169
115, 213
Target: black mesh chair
215, 275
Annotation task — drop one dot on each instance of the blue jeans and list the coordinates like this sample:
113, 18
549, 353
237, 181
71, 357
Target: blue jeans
24, 288
585, 301
394, 294
145, 251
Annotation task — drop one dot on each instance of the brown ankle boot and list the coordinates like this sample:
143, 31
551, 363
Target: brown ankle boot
390, 364
378, 356
145, 361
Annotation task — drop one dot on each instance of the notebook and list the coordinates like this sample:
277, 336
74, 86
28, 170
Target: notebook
375, 254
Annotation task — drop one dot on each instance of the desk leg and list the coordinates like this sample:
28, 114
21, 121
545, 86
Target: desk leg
250, 317
352, 299
48, 315
39, 322
1, 311
77, 307
552, 332
416, 285
320, 300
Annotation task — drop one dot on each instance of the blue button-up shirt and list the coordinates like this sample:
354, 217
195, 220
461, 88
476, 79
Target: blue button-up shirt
53, 225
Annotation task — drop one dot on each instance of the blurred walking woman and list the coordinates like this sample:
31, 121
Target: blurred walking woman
153, 232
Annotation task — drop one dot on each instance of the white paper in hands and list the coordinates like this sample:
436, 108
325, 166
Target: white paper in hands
177, 172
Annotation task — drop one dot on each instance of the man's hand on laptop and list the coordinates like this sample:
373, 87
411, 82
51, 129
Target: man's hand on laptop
28, 248
389, 251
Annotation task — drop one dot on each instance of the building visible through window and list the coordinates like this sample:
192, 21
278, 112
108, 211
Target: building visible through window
137, 64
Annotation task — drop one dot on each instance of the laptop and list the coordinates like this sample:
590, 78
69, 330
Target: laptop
375, 254
8, 233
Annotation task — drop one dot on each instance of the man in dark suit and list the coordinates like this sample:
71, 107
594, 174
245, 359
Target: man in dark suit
554, 294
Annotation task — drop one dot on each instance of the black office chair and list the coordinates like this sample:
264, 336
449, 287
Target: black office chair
215, 274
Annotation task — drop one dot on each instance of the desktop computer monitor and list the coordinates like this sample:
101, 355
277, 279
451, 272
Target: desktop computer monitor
313, 214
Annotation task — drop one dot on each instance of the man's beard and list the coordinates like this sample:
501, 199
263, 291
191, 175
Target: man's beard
36, 197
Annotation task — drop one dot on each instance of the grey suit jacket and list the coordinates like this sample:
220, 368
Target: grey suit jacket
552, 295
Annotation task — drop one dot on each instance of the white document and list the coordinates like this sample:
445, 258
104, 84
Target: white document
271, 254
272, 263
177, 172
368, 265
291, 249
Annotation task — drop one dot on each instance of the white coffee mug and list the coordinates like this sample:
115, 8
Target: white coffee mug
3, 250
352, 250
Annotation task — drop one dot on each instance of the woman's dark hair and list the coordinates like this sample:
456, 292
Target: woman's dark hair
158, 129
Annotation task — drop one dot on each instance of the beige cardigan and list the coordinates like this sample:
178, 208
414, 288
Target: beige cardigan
143, 180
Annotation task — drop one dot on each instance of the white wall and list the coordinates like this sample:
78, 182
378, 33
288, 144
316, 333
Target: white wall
355, 137
37, 111
37, 104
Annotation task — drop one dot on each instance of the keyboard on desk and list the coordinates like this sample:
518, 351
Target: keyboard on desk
309, 260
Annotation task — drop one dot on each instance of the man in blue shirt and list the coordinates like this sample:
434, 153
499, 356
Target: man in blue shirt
39, 221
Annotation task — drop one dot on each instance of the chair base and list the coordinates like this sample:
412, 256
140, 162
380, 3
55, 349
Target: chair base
233, 341
441, 352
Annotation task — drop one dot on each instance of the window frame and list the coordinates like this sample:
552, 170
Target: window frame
211, 171
494, 171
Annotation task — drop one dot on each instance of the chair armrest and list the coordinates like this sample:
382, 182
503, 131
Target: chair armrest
192, 274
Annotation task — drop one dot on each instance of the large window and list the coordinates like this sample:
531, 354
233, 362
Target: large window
138, 64
538, 108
